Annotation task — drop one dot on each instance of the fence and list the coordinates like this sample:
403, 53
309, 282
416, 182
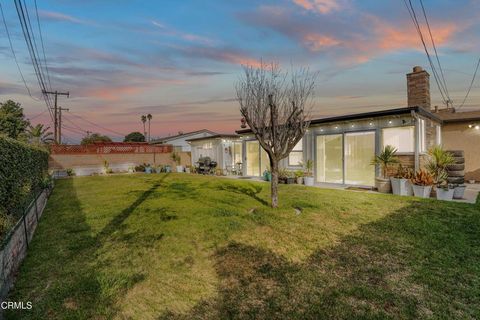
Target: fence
111, 148
15, 245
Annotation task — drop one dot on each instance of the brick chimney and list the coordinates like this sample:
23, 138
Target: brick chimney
418, 88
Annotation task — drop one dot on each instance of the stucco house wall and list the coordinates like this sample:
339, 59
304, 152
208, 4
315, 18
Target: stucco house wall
458, 136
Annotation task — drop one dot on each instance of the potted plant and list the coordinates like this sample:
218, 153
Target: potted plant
290, 177
282, 176
106, 168
148, 169
385, 160
437, 164
445, 192
267, 175
177, 159
401, 181
167, 168
159, 168
131, 169
140, 168
458, 191
422, 183
188, 168
299, 176
308, 176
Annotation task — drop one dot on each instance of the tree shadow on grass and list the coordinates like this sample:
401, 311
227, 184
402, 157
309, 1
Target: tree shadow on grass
250, 189
420, 262
64, 279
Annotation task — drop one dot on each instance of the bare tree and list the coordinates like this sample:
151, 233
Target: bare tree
276, 107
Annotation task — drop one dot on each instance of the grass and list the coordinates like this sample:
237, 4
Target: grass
192, 247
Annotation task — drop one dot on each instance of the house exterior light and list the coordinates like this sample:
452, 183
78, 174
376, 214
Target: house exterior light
470, 126
390, 121
371, 124
477, 127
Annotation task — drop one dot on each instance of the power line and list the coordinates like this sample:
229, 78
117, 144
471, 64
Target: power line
97, 125
14, 55
436, 53
411, 11
471, 85
31, 50
43, 46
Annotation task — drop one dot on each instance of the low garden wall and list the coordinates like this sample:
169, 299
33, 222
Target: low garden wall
87, 164
14, 246
24, 189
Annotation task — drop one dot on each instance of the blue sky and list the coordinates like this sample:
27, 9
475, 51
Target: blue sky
178, 60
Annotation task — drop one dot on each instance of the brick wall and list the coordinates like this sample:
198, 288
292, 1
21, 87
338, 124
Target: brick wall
14, 247
418, 88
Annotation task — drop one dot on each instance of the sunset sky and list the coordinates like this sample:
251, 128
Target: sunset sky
179, 60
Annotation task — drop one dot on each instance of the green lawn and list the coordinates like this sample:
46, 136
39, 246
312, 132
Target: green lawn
192, 247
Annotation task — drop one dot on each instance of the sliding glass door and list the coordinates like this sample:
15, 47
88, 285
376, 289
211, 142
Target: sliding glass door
329, 164
257, 159
253, 158
359, 152
345, 158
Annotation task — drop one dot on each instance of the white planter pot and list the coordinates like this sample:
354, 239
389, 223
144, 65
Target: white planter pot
179, 168
308, 181
422, 191
187, 170
299, 180
445, 194
458, 192
401, 187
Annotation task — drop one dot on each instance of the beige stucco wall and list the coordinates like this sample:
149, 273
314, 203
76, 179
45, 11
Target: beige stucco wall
459, 136
118, 162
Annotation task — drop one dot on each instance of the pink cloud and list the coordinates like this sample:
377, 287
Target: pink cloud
318, 42
319, 6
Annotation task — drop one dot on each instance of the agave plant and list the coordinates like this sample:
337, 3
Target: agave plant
438, 161
39, 134
386, 159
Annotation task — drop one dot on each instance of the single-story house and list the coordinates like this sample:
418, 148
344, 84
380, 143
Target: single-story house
342, 147
179, 141
225, 149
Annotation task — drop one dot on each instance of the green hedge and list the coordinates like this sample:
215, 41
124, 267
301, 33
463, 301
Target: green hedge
23, 168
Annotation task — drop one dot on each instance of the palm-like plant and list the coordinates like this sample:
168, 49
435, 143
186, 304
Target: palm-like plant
144, 119
437, 163
149, 117
386, 159
39, 134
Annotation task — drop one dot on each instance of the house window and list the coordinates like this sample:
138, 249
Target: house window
402, 138
438, 136
207, 145
422, 141
295, 158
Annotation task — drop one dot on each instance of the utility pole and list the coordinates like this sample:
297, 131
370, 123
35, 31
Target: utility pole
60, 123
55, 111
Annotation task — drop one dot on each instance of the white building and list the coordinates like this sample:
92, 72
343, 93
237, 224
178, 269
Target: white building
225, 149
180, 142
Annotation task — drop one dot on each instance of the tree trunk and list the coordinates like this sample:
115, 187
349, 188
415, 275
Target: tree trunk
274, 183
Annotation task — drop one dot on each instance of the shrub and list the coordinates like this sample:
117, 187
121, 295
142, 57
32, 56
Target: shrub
23, 168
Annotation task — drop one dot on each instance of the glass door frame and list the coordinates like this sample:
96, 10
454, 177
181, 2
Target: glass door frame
343, 134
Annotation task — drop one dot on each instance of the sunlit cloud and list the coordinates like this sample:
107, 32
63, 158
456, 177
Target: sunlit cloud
319, 6
61, 17
182, 35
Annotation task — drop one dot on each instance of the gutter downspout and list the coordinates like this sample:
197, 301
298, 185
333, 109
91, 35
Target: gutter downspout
417, 140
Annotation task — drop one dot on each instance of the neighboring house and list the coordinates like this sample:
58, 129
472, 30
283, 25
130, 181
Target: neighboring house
461, 131
343, 147
180, 142
225, 149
